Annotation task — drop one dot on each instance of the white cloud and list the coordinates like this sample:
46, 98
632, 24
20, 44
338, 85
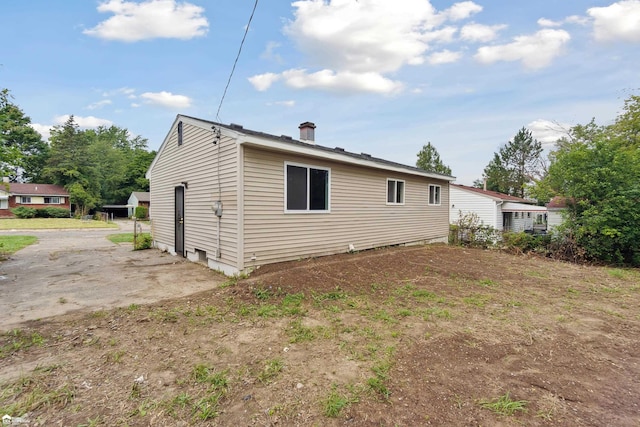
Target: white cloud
44, 130
480, 33
354, 44
262, 82
548, 132
98, 104
444, 57
149, 20
619, 21
342, 82
166, 99
544, 22
88, 122
462, 10
269, 52
289, 103
534, 51
135, 105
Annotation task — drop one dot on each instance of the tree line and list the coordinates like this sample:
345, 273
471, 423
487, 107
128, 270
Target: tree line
96, 166
594, 170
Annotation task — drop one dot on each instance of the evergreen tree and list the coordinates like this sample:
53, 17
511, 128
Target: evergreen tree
429, 160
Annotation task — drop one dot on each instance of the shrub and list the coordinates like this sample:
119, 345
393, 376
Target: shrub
23, 212
469, 231
142, 212
526, 242
143, 241
52, 212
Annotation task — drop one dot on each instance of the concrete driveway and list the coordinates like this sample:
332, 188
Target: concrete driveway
68, 270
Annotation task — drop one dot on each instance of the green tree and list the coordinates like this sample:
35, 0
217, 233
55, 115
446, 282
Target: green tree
71, 165
598, 170
429, 160
22, 150
515, 165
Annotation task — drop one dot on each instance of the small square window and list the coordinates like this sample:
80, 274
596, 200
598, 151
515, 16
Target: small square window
395, 192
434, 194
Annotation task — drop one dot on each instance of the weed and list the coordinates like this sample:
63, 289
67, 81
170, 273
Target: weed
291, 304
384, 316
92, 422
271, 370
487, 283
300, 333
335, 402
181, 400
378, 386
334, 295
62, 300
503, 405
476, 300
267, 310
116, 356
617, 273
423, 294
216, 380
207, 407
262, 293
441, 313
133, 307
19, 340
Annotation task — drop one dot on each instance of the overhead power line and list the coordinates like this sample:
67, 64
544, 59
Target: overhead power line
255, 5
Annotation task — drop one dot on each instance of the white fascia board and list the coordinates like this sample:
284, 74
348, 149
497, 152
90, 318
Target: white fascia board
521, 207
330, 155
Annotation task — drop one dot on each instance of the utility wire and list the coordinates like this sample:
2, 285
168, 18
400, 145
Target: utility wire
255, 5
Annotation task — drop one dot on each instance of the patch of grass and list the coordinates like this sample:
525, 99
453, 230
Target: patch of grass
116, 356
300, 333
120, 238
384, 316
291, 304
423, 294
335, 295
262, 293
207, 408
271, 369
487, 283
440, 313
335, 402
12, 244
16, 340
476, 300
617, 273
504, 405
51, 223
217, 381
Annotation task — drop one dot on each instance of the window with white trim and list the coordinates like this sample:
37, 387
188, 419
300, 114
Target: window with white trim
25, 200
52, 200
306, 188
434, 194
4, 204
395, 192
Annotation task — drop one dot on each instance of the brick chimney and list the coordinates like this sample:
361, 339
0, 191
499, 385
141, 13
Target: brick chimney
307, 132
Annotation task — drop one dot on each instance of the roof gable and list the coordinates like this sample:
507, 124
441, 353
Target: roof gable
31, 189
142, 196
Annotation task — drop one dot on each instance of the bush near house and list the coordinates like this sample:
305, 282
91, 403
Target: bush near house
142, 212
23, 212
51, 212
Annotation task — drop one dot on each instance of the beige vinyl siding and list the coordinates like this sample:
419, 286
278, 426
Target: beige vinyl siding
359, 213
196, 163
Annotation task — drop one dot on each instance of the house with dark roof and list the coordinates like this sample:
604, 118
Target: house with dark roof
236, 199
13, 195
556, 209
138, 198
500, 211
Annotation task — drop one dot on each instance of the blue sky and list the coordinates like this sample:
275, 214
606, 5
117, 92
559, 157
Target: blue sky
376, 76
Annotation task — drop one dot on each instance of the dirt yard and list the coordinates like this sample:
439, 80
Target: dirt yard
431, 335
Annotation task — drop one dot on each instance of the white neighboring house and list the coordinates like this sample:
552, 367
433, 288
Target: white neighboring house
497, 210
555, 209
138, 198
